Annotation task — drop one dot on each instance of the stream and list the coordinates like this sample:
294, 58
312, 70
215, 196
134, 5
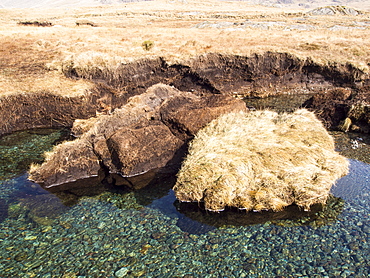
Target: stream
147, 233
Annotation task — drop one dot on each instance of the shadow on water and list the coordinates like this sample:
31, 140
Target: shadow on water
194, 219
31, 203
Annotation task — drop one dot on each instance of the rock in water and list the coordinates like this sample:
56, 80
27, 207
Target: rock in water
261, 160
150, 132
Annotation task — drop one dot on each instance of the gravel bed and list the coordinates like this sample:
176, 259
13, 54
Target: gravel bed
119, 235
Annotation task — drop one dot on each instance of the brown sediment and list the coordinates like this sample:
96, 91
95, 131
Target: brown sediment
258, 75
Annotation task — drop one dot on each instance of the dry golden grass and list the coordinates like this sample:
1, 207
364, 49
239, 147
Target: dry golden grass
51, 82
27, 66
31, 56
261, 161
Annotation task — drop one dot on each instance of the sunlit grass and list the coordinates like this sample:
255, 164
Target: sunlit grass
31, 57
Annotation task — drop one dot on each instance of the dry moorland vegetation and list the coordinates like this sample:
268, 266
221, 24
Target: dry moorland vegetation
32, 58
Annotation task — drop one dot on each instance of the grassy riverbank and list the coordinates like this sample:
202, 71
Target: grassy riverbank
31, 57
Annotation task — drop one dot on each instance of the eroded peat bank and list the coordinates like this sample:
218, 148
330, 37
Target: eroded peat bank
256, 76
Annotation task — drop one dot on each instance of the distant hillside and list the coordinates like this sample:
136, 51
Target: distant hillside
59, 3
359, 4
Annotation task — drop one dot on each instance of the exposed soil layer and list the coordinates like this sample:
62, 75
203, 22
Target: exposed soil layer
257, 75
272, 73
254, 76
43, 109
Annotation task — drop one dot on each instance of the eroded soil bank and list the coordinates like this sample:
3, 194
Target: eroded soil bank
254, 76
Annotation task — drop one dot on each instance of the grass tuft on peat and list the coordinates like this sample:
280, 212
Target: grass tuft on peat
261, 160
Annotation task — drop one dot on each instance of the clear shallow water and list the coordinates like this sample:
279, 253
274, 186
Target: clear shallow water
147, 234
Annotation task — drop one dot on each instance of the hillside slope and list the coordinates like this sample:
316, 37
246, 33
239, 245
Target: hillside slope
360, 4
24, 4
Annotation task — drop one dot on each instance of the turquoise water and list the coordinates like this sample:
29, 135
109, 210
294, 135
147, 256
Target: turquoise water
120, 233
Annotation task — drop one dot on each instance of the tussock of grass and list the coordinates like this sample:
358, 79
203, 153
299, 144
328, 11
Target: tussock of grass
261, 161
91, 64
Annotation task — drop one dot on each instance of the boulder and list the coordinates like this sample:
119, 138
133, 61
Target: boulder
260, 160
149, 135
136, 150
